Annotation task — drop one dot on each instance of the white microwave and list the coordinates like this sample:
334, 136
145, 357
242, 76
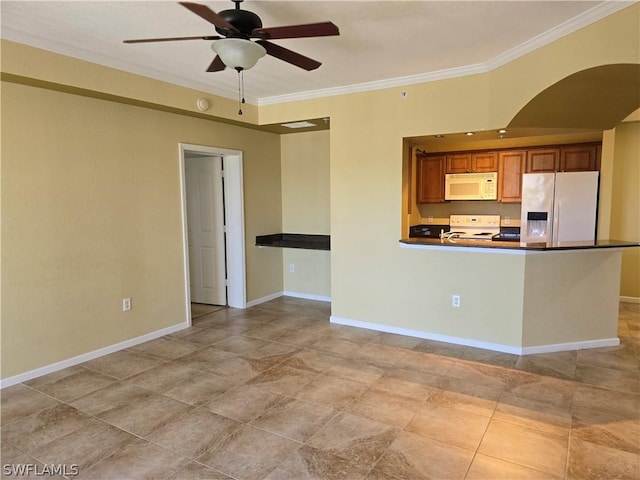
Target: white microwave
471, 186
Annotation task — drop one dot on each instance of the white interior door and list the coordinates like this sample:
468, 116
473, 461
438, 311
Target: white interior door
205, 229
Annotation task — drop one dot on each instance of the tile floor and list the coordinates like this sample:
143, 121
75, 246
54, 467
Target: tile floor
277, 392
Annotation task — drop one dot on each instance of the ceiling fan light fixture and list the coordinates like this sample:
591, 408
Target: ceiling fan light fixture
237, 53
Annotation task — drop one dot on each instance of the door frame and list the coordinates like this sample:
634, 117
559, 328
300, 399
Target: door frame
234, 215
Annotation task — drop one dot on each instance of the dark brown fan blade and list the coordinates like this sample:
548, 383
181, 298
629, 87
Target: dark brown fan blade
209, 15
217, 65
323, 29
289, 56
171, 39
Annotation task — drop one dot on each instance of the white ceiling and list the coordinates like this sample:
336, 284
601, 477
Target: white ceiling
381, 43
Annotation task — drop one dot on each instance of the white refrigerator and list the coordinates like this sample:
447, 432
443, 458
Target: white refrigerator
559, 208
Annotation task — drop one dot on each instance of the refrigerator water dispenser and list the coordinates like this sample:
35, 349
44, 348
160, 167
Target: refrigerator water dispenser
537, 224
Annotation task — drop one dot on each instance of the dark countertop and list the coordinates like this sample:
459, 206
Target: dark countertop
436, 242
295, 240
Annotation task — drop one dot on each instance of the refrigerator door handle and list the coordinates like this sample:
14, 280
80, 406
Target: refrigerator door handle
555, 232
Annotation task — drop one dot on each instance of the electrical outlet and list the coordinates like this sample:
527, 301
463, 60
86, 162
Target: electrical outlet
126, 304
292, 267
507, 220
455, 301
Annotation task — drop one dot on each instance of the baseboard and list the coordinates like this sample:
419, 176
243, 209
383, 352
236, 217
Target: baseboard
497, 347
563, 347
70, 362
426, 335
267, 298
307, 296
630, 299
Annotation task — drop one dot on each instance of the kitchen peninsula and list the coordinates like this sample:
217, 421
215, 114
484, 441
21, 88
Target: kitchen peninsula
557, 298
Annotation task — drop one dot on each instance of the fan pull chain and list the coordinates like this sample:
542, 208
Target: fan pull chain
240, 91
242, 83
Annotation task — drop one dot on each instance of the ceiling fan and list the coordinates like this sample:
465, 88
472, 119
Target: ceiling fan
236, 50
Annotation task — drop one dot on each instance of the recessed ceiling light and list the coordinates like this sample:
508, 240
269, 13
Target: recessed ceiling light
468, 134
502, 130
302, 124
439, 135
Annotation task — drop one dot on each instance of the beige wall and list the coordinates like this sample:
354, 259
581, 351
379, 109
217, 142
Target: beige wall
91, 214
625, 217
305, 209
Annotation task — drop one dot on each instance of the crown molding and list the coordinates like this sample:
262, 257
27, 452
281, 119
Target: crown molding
586, 18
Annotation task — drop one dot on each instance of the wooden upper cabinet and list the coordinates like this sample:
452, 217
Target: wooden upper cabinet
430, 178
579, 158
541, 160
511, 164
484, 162
458, 163
472, 162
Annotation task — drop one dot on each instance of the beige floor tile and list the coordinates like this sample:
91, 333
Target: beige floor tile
207, 336
181, 383
378, 354
20, 401
267, 331
357, 371
244, 403
489, 357
197, 471
193, 433
131, 408
34, 432
331, 391
295, 419
299, 337
481, 376
313, 360
122, 364
240, 344
136, 460
76, 385
310, 463
590, 461
606, 428
339, 346
622, 357
462, 401
441, 348
358, 440
414, 457
165, 348
358, 335
18, 465
79, 447
248, 453
283, 380
394, 340
525, 446
425, 362
450, 426
557, 364
394, 410
408, 383
489, 468
613, 378
596, 398
541, 388
546, 417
